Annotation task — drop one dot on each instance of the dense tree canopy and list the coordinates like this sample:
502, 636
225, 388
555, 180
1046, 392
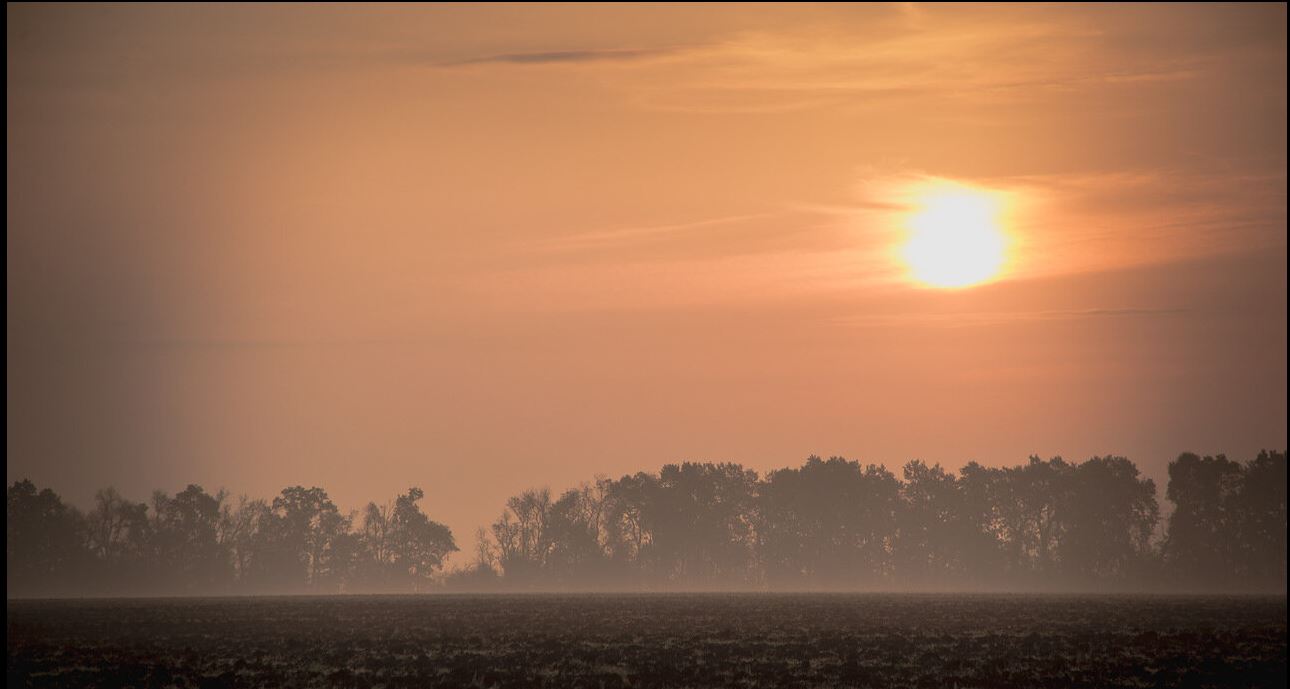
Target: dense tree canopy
198, 543
828, 524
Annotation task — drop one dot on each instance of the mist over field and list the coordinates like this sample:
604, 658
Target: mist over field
828, 525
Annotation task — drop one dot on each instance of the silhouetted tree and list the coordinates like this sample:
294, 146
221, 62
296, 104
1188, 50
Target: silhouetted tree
375, 567
1037, 496
1111, 516
629, 536
304, 543
44, 546
521, 535
829, 524
417, 544
1228, 528
242, 527
933, 527
1261, 521
575, 529
190, 555
1203, 529
121, 537
983, 553
328, 549
702, 522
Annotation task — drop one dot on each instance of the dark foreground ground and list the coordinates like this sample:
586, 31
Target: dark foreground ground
683, 640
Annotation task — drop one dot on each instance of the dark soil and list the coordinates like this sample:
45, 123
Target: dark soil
677, 640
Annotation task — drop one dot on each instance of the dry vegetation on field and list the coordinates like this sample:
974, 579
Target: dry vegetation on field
644, 640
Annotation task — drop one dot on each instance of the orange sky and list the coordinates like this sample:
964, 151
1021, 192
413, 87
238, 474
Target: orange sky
478, 249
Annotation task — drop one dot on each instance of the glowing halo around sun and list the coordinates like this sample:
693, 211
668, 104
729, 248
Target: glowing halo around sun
955, 236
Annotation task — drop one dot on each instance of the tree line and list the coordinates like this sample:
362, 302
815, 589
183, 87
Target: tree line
826, 525
196, 543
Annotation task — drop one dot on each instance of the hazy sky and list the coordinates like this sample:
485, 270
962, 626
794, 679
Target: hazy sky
479, 249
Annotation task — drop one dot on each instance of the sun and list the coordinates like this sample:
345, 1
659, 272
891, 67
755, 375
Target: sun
955, 237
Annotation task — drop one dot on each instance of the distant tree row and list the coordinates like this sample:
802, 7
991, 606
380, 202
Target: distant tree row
829, 524
835, 524
195, 543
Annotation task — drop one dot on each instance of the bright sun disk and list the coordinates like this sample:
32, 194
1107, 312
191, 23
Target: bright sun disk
955, 238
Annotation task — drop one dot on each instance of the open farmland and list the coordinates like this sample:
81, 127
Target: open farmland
651, 640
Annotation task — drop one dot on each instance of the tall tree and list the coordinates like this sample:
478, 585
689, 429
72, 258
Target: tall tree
521, 534
983, 493
629, 534
312, 535
186, 530
933, 529
122, 538
417, 543
829, 524
44, 546
578, 557
1034, 499
1111, 516
703, 519
243, 531
1203, 530
1261, 521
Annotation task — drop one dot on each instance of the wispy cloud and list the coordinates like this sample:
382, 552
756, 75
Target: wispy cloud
990, 318
601, 238
788, 231
927, 52
560, 57
198, 344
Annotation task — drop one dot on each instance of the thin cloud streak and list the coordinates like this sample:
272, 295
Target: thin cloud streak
561, 57
978, 319
634, 234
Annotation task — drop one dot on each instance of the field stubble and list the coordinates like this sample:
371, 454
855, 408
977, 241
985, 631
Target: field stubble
651, 640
